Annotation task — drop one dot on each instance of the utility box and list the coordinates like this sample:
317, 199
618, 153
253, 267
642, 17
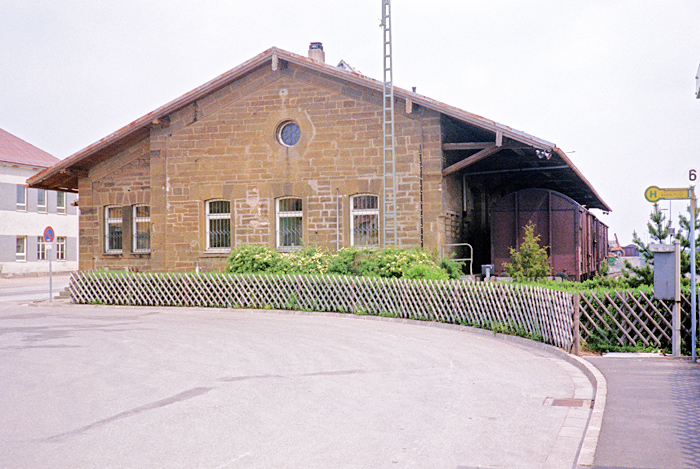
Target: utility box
667, 285
666, 270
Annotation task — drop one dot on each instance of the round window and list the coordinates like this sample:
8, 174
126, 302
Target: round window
288, 133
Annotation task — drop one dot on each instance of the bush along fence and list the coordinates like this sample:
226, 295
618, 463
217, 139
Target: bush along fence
529, 311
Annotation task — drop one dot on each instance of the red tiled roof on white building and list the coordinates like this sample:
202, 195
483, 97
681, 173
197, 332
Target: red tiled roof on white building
14, 150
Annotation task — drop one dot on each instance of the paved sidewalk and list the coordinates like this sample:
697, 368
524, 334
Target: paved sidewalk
652, 414
104, 386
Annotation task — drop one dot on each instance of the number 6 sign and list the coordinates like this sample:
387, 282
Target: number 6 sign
692, 175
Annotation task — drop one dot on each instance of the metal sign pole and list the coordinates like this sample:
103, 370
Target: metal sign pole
49, 235
653, 194
48, 248
693, 291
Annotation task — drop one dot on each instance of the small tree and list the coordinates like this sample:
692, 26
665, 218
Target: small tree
531, 262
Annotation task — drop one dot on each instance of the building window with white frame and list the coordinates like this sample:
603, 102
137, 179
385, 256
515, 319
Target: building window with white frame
141, 229
60, 248
41, 248
21, 252
113, 230
364, 220
41, 201
290, 223
61, 202
218, 225
21, 198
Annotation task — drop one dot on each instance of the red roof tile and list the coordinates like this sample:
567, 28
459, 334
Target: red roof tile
16, 151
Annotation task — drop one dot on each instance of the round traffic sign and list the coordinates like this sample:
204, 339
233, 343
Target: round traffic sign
49, 234
653, 194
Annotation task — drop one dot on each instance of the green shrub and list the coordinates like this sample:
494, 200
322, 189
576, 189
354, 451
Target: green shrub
531, 262
347, 261
396, 262
603, 341
252, 259
389, 262
421, 271
453, 268
308, 260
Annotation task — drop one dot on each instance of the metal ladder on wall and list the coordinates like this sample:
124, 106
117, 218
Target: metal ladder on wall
389, 221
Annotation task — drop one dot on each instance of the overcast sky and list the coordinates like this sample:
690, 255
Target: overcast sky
610, 82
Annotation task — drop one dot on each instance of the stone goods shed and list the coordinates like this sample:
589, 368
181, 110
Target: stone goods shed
286, 150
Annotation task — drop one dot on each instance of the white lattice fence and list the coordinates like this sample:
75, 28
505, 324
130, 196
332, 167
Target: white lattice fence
523, 309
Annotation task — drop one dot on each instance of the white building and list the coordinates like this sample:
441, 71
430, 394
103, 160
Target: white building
26, 213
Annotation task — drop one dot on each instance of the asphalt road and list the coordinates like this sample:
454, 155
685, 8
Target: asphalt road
99, 386
31, 288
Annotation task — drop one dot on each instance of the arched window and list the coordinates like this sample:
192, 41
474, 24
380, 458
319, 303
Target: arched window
141, 229
290, 223
113, 230
218, 225
364, 220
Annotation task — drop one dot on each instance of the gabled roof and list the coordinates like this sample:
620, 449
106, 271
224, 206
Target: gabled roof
64, 175
14, 150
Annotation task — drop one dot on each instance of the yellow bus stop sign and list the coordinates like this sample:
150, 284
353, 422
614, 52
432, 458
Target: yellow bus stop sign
653, 194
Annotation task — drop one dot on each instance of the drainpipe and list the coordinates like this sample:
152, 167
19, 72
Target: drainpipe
337, 219
420, 185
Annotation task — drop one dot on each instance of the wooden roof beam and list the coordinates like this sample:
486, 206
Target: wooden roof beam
467, 145
80, 173
515, 146
470, 160
163, 122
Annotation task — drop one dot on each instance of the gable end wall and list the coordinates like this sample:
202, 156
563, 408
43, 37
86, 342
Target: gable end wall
224, 146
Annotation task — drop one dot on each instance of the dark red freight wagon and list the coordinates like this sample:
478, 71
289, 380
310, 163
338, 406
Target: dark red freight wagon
576, 240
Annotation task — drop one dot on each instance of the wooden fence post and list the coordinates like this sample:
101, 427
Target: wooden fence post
577, 325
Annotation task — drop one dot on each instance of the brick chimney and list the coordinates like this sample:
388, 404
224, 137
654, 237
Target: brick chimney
316, 52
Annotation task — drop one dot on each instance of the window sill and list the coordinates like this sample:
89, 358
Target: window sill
289, 248
216, 253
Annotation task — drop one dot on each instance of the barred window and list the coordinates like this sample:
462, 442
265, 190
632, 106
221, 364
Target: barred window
41, 200
21, 197
289, 223
113, 230
141, 229
61, 248
218, 225
21, 250
40, 248
60, 202
364, 220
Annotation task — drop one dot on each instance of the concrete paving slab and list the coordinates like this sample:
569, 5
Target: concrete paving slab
98, 386
652, 416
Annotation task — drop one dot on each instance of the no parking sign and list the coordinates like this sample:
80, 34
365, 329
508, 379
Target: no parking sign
49, 234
